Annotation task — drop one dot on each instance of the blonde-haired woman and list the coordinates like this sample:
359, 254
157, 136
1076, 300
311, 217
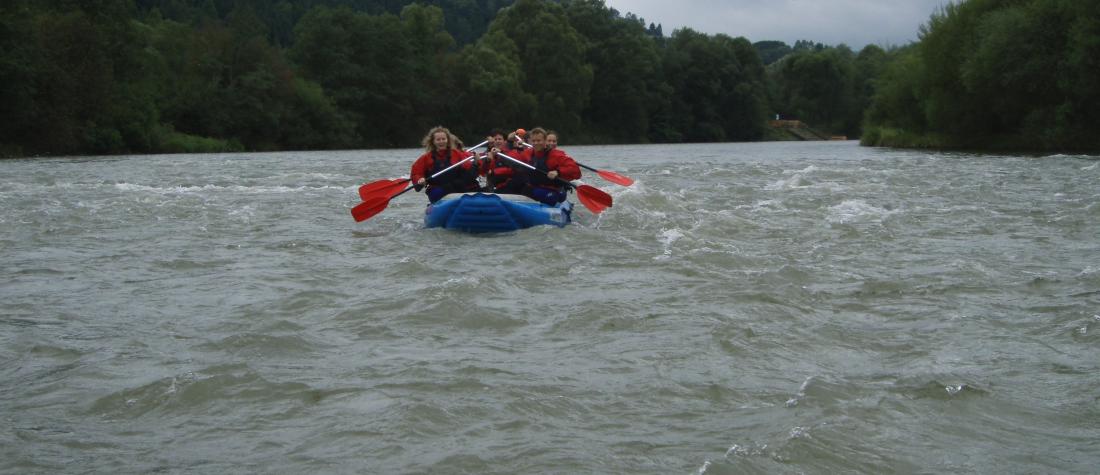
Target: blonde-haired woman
440, 153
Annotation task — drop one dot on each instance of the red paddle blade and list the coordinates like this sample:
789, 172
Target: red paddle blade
615, 178
595, 199
382, 194
381, 188
365, 210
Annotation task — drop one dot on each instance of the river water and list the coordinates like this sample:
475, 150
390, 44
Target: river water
743, 308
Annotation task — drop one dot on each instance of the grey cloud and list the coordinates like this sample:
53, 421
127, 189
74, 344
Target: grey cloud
856, 23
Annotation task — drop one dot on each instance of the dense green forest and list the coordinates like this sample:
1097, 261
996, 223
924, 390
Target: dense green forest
993, 74
139, 76
117, 76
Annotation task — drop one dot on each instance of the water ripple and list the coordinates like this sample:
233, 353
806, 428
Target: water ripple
742, 308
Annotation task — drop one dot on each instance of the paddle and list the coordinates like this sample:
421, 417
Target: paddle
382, 188
370, 207
376, 203
605, 174
477, 146
609, 175
595, 199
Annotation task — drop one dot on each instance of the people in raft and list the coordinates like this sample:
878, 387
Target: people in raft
551, 139
555, 170
441, 152
504, 176
498, 170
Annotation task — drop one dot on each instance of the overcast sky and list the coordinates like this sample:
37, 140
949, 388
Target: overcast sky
855, 23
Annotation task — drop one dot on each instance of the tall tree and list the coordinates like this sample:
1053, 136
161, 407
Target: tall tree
997, 74
431, 64
18, 75
626, 70
552, 55
718, 89
225, 81
869, 65
489, 88
89, 94
771, 51
819, 87
896, 101
365, 63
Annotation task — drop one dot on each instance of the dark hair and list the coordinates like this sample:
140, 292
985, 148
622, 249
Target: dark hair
497, 131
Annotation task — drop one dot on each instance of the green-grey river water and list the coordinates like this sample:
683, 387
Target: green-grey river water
742, 308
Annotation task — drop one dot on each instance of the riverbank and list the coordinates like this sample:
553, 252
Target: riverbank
899, 138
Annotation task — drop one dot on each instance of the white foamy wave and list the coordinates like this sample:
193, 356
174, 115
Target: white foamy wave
738, 450
703, 469
245, 213
856, 211
763, 205
322, 176
638, 188
453, 281
711, 247
719, 171
804, 171
28, 188
794, 400
1084, 329
795, 181
667, 238
240, 189
799, 433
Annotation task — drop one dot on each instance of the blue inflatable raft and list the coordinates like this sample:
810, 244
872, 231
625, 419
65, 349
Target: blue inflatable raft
493, 213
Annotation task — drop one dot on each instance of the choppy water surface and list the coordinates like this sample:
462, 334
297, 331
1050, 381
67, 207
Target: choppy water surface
743, 308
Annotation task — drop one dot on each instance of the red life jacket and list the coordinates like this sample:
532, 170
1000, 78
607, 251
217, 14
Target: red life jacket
460, 179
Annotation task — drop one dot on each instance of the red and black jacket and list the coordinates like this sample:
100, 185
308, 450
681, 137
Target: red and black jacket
500, 170
550, 160
463, 178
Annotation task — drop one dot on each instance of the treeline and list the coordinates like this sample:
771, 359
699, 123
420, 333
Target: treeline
992, 74
113, 76
126, 76
827, 87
